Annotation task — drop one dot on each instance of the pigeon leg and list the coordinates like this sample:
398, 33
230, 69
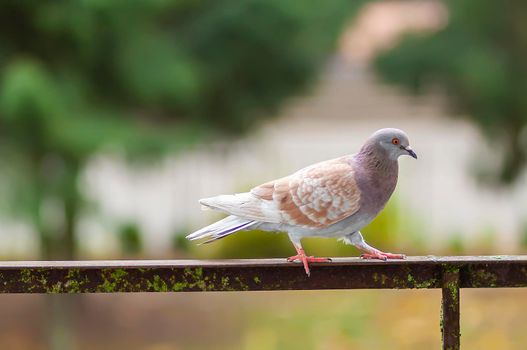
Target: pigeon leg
369, 252
304, 259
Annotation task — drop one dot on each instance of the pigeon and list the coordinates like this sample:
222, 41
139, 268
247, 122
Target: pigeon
332, 199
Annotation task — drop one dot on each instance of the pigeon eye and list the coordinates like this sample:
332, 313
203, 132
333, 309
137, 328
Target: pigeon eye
395, 141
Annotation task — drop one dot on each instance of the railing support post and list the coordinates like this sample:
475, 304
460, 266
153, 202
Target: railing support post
450, 309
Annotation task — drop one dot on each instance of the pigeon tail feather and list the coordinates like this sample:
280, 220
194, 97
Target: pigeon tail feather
244, 205
221, 229
228, 203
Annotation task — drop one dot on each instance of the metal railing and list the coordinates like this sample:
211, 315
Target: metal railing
121, 276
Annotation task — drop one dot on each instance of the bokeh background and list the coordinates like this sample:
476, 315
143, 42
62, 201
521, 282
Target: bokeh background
117, 116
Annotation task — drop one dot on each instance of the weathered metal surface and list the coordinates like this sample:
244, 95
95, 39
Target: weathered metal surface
247, 275
450, 309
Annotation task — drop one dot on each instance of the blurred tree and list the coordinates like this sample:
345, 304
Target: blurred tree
479, 60
145, 76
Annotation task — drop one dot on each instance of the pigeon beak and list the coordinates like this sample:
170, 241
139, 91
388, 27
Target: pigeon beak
410, 151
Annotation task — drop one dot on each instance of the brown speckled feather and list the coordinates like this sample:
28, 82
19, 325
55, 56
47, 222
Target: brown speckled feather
314, 197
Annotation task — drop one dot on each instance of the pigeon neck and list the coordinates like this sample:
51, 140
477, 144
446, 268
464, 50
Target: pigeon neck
374, 158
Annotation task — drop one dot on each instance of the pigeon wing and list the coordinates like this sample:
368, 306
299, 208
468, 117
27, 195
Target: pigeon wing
314, 197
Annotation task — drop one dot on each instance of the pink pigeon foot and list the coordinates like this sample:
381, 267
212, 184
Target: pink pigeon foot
302, 257
382, 256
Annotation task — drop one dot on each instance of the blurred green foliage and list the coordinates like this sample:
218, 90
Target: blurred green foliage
383, 233
247, 244
180, 244
455, 244
131, 239
523, 237
479, 60
485, 242
143, 76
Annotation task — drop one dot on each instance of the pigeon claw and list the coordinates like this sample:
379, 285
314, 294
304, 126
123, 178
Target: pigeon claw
305, 260
382, 256
308, 258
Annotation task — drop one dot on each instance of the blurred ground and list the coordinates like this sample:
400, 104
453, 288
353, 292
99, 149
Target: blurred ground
491, 319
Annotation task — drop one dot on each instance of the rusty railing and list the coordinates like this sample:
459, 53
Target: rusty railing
120, 276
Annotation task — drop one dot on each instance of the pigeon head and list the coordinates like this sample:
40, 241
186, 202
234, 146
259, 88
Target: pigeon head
392, 142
